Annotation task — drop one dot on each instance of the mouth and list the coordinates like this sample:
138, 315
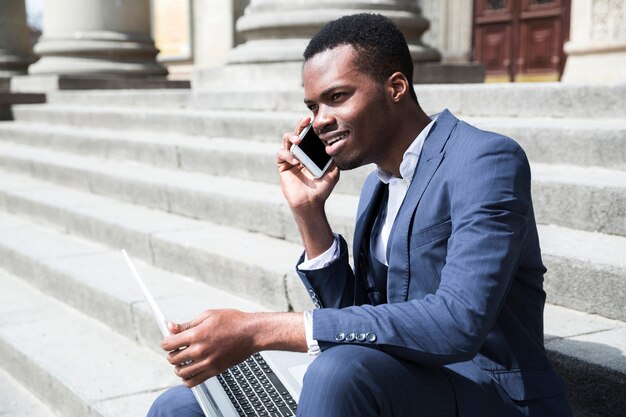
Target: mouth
331, 141
335, 144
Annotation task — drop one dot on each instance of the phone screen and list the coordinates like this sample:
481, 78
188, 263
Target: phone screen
314, 148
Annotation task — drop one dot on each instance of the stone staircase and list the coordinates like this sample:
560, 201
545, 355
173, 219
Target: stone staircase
186, 183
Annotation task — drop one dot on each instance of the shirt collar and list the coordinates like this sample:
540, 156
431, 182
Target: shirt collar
410, 158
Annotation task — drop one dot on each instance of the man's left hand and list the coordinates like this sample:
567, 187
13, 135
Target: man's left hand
208, 345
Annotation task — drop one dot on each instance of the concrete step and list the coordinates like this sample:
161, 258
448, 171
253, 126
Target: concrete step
592, 199
82, 269
520, 100
253, 265
188, 246
589, 352
577, 142
591, 342
74, 364
17, 401
235, 158
585, 142
95, 280
584, 198
582, 142
216, 199
169, 98
586, 270
265, 126
528, 100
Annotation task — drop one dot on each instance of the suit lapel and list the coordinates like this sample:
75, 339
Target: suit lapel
398, 247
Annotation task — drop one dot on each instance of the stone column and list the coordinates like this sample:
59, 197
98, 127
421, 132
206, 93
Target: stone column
276, 32
597, 46
279, 30
97, 38
15, 51
450, 28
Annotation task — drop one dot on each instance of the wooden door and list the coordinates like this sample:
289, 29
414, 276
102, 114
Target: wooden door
521, 40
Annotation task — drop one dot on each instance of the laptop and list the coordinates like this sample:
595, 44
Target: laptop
266, 384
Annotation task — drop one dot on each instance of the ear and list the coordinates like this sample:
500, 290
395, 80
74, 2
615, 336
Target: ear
398, 86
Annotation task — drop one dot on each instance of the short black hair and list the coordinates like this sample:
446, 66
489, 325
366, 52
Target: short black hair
381, 46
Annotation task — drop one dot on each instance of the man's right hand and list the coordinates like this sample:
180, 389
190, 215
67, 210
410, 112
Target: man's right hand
301, 190
306, 195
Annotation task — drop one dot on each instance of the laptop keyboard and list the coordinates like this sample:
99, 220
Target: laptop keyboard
255, 390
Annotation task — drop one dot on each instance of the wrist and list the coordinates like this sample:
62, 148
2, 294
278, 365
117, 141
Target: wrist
276, 331
315, 232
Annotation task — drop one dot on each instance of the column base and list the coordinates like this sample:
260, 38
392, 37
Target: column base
289, 74
45, 83
5, 83
605, 68
7, 99
438, 73
249, 76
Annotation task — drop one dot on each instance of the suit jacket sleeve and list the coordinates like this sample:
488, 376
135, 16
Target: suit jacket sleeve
333, 286
487, 189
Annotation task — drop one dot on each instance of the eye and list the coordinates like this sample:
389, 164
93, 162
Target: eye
336, 96
312, 107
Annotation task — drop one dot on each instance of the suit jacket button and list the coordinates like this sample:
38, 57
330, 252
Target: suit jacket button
360, 337
340, 337
350, 337
371, 337
317, 305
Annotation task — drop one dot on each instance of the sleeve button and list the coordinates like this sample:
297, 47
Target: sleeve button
340, 337
360, 337
350, 337
371, 337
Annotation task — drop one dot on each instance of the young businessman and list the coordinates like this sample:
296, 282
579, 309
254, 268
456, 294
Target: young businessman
442, 314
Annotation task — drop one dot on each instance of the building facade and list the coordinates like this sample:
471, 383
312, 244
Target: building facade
515, 40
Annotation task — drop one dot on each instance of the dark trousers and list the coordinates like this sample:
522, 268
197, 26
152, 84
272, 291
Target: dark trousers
349, 380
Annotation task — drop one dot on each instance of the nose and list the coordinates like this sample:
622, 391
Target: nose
324, 119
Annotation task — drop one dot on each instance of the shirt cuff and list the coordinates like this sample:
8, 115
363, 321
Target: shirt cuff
322, 260
313, 346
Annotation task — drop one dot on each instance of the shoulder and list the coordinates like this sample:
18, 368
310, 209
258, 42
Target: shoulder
469, 137
469, 145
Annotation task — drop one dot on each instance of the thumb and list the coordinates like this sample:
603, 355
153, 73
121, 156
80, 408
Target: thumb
176, 328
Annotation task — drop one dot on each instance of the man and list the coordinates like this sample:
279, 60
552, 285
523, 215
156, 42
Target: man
442, 315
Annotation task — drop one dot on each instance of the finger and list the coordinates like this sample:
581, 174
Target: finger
174, 328
284, 156
198, 378
333, 172
183, 334
181, 356
303, 123
191, 324
290, 139
188, 372
176, 342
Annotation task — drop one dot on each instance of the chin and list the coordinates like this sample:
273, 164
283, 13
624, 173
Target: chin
347, 164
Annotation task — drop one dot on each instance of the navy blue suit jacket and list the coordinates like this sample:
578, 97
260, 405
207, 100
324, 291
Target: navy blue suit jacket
465, 280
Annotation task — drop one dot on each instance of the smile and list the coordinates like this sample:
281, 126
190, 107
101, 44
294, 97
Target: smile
329, 142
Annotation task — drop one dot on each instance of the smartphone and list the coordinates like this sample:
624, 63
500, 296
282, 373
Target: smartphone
311, 152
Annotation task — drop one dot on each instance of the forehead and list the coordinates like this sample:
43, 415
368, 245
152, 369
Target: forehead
332, 67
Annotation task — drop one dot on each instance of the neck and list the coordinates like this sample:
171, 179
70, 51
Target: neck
410, 125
